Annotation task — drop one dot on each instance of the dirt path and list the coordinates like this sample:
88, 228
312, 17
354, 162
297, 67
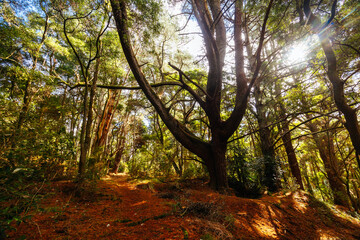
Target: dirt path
119, 209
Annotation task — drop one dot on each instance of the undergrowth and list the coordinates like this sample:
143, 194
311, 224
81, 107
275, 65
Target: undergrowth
19, 194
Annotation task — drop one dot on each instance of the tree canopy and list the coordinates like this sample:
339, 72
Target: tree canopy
269, 102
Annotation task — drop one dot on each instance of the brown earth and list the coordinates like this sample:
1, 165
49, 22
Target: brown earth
121, 209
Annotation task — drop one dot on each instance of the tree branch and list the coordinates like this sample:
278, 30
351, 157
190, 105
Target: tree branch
81, 84
191, 81
180, 132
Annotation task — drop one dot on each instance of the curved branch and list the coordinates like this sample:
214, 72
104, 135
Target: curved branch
83, 70
180, 132
349, 46
102, 31
233, 121
333, 10
191, 81
128, 87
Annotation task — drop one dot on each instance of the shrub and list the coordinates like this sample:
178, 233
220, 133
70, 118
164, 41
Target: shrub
244, 174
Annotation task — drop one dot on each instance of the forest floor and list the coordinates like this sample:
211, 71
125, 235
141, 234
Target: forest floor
118, 208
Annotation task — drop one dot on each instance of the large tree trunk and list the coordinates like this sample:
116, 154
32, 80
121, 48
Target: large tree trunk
216, 165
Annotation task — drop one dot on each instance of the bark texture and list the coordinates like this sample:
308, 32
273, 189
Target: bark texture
105, 122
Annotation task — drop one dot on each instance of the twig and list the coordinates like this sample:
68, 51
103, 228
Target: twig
32, 199
38, 227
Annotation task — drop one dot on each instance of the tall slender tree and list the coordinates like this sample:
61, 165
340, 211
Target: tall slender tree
85, 57
324, 32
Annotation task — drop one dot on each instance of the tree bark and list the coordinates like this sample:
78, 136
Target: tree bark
290, 152
89, 120
105, 121
85, 138
286, 138
120, 145
83, 153
307, 180
216, 165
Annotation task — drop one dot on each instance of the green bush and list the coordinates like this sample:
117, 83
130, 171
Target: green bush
244, 174
19, 193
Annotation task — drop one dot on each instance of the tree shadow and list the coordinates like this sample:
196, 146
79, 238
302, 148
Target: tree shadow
301, 216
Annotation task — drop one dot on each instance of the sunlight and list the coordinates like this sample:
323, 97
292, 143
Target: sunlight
191, 41
297, 53
194, 44
300, 51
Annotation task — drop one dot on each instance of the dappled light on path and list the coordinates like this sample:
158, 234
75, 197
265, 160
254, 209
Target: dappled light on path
123, 209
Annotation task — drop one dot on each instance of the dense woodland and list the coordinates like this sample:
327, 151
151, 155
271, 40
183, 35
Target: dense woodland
269, 103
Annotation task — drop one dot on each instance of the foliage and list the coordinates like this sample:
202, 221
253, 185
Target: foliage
245, 175
19, 194
42, 108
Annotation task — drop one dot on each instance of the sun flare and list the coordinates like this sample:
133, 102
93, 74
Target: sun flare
297, 53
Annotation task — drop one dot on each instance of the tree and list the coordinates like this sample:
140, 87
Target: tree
323, 31
15, 55
33, 105
286, 138
211, 21
85, 57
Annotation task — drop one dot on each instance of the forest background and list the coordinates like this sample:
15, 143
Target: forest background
268, 103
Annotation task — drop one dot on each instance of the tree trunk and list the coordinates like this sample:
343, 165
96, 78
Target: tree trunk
307, 181
121, 144
286, 138
271, 178
326, 148
216, 165
118, 155
82, 158
105, 121
85, 138
176, 168
351, 121
290, 152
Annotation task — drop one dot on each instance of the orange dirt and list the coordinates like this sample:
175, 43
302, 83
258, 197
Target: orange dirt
119, 209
